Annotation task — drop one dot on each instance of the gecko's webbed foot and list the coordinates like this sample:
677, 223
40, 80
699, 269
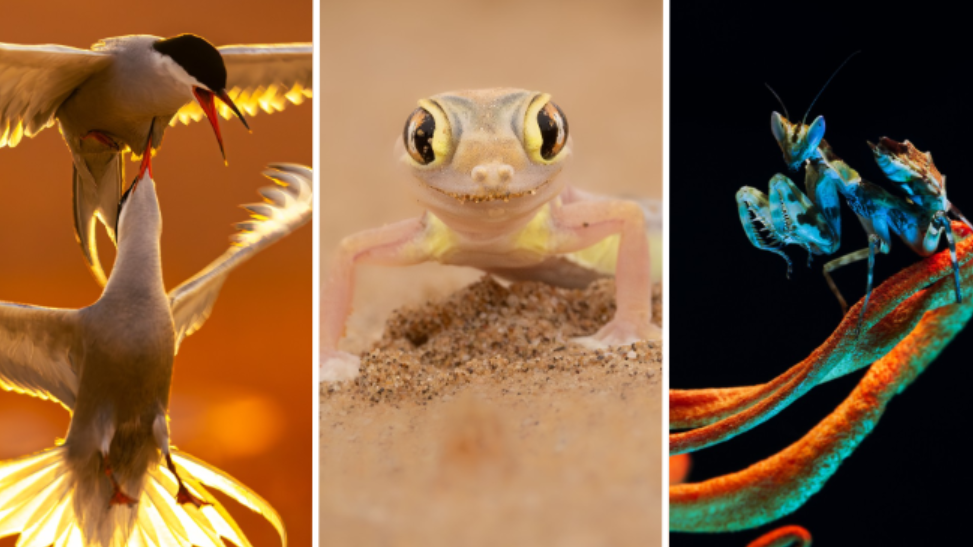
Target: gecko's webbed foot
620, 333
339, 366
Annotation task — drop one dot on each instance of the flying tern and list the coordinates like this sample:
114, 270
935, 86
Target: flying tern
122, 94
115, 480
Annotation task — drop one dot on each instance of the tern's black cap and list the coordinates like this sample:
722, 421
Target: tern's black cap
197, 57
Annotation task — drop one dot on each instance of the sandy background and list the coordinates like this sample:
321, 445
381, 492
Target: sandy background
241, 396
602, 64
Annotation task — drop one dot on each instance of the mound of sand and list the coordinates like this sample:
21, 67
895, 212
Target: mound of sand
489, 332
476, 422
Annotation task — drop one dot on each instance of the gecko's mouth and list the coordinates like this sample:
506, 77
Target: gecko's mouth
486, 197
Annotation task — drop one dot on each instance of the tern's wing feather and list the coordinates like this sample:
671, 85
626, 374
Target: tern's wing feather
35, 352
261, 77
35, 80
287, 206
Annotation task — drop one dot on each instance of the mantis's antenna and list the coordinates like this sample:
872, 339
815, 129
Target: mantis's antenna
786, 115
833, 74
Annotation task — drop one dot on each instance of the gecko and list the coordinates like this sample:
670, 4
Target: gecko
484, 165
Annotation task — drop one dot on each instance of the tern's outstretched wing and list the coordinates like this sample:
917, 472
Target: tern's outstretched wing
35, 352
35, 80
261, 77
287, 207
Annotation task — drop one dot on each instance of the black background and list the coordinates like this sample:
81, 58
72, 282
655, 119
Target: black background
736, 319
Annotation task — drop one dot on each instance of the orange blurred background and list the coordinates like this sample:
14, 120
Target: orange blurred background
242, 392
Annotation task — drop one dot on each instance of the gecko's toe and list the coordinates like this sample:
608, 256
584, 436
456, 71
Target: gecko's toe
339, 366
620, 333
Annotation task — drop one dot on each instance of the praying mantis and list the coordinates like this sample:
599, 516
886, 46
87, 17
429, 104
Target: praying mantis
812, 220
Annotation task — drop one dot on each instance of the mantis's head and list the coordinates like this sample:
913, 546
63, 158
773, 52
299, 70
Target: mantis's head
797, 141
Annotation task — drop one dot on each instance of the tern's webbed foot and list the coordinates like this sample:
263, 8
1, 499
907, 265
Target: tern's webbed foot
183, 495
117, 497
102, 138
121, 498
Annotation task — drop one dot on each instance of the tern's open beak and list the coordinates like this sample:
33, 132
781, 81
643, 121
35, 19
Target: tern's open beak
206, 99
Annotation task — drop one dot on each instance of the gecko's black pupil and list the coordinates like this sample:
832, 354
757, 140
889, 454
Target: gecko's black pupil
419, 130
554, 130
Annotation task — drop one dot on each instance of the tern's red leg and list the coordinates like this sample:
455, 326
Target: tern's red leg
118, 497
183, 496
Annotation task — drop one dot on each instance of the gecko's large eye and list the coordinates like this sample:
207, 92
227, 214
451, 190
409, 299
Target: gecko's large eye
418, 136
554, 130
545, 130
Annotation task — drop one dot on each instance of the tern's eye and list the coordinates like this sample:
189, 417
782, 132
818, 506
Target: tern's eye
545, 130
554, 130
418, 136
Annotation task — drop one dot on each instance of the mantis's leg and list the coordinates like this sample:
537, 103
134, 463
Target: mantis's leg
959, 216
580, 225
397, 244
942, 221
874, 242
833, 265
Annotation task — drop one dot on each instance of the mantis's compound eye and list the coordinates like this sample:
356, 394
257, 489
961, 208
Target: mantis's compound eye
554, 130
418, 136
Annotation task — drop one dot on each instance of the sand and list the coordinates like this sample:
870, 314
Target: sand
476, 422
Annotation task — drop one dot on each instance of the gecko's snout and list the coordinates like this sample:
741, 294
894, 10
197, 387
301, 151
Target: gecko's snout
494, 175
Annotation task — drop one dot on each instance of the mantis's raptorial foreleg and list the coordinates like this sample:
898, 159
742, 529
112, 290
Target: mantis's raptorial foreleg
579, 225
393, 245
786, 216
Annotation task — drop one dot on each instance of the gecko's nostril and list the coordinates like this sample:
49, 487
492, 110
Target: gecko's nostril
492, 174
479, 173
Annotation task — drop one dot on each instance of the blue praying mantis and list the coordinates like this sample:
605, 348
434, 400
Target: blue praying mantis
812, 220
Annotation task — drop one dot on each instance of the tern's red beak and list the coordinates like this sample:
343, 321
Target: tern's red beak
207, 102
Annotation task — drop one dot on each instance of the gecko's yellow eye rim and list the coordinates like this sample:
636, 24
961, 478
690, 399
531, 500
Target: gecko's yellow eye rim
426, 135
545, 130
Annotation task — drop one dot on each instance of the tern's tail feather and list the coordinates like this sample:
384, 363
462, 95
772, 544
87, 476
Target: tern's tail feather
97, 190
39, 499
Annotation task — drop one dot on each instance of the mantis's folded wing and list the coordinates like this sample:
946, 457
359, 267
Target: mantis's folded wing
287, 206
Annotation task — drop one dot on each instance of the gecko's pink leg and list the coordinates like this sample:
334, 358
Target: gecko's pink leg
581, 224
785, 536
392, 245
